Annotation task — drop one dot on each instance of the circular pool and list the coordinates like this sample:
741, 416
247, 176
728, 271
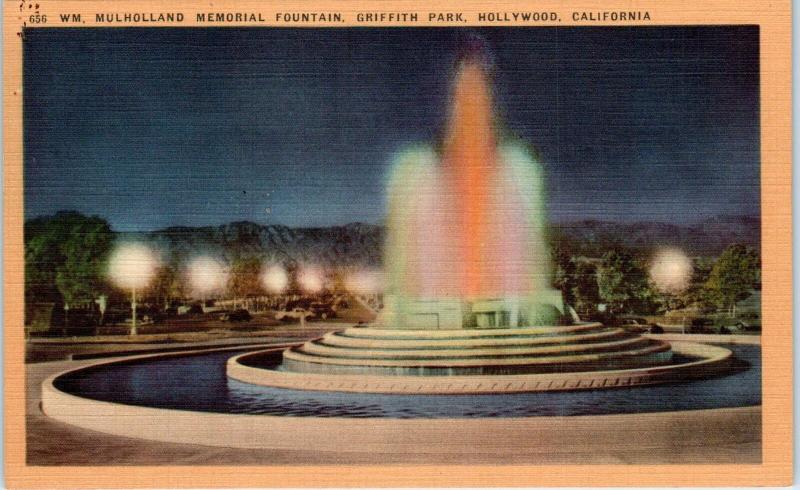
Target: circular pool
198, 382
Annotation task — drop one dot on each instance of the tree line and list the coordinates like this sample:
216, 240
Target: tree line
66, 257
620, 281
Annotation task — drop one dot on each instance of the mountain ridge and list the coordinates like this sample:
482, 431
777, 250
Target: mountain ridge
361, 244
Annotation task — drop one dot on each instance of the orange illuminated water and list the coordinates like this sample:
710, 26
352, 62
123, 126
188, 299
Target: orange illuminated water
469, 162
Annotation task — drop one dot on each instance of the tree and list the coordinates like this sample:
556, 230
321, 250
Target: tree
695, 295
167, 284
65, 257
43, 256
622, 283
85, 248
564, 276
293, 273
245, 278
735, 273
585, 290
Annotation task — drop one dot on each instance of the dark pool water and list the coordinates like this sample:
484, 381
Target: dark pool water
198, 382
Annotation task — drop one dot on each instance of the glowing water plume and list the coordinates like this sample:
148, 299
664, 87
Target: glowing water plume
671, 270
469, 164
132, 265
522, 186
419, 251
274, 279
207, 276
467, 224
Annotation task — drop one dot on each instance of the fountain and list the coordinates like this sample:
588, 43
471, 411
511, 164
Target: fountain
468, 312
467, 273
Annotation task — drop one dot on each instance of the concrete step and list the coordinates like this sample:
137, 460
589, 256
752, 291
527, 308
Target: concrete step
432, 352
465, 333
637, 350
596, 335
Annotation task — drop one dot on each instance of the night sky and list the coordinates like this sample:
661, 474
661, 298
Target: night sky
160, 127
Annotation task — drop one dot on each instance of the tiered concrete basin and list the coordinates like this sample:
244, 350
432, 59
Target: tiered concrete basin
552, 358
385, 351
695, 361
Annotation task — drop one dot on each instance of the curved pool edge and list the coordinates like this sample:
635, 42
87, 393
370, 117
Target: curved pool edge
709, 428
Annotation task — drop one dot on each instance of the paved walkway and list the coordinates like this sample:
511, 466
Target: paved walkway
58, 349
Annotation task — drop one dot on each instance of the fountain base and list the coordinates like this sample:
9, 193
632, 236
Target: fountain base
394, 351
691, 361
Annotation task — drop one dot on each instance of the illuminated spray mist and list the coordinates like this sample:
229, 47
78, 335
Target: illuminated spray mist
467, 223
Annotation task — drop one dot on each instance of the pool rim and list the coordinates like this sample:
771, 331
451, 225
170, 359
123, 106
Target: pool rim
380, 434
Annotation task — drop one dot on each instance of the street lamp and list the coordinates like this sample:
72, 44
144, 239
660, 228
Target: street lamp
365, 285
207, 276
274, 279
671, 271
132, 266
365, 282
311, 280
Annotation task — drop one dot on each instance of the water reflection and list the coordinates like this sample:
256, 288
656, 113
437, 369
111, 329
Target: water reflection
199, 382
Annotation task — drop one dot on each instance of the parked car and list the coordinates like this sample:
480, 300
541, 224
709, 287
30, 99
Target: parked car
752, 326
702, 325
323, 311
738, 327
636, 325
191, 310
293, 314
239, 315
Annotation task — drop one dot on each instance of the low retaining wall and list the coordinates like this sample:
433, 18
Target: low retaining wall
709, 429
708, 338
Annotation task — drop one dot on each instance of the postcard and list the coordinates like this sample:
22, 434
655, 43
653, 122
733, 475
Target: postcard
397, 243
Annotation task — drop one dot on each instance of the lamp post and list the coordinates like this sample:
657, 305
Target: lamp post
133, 311
311, 282
207, 276
132, 266
274, 279
671, 272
